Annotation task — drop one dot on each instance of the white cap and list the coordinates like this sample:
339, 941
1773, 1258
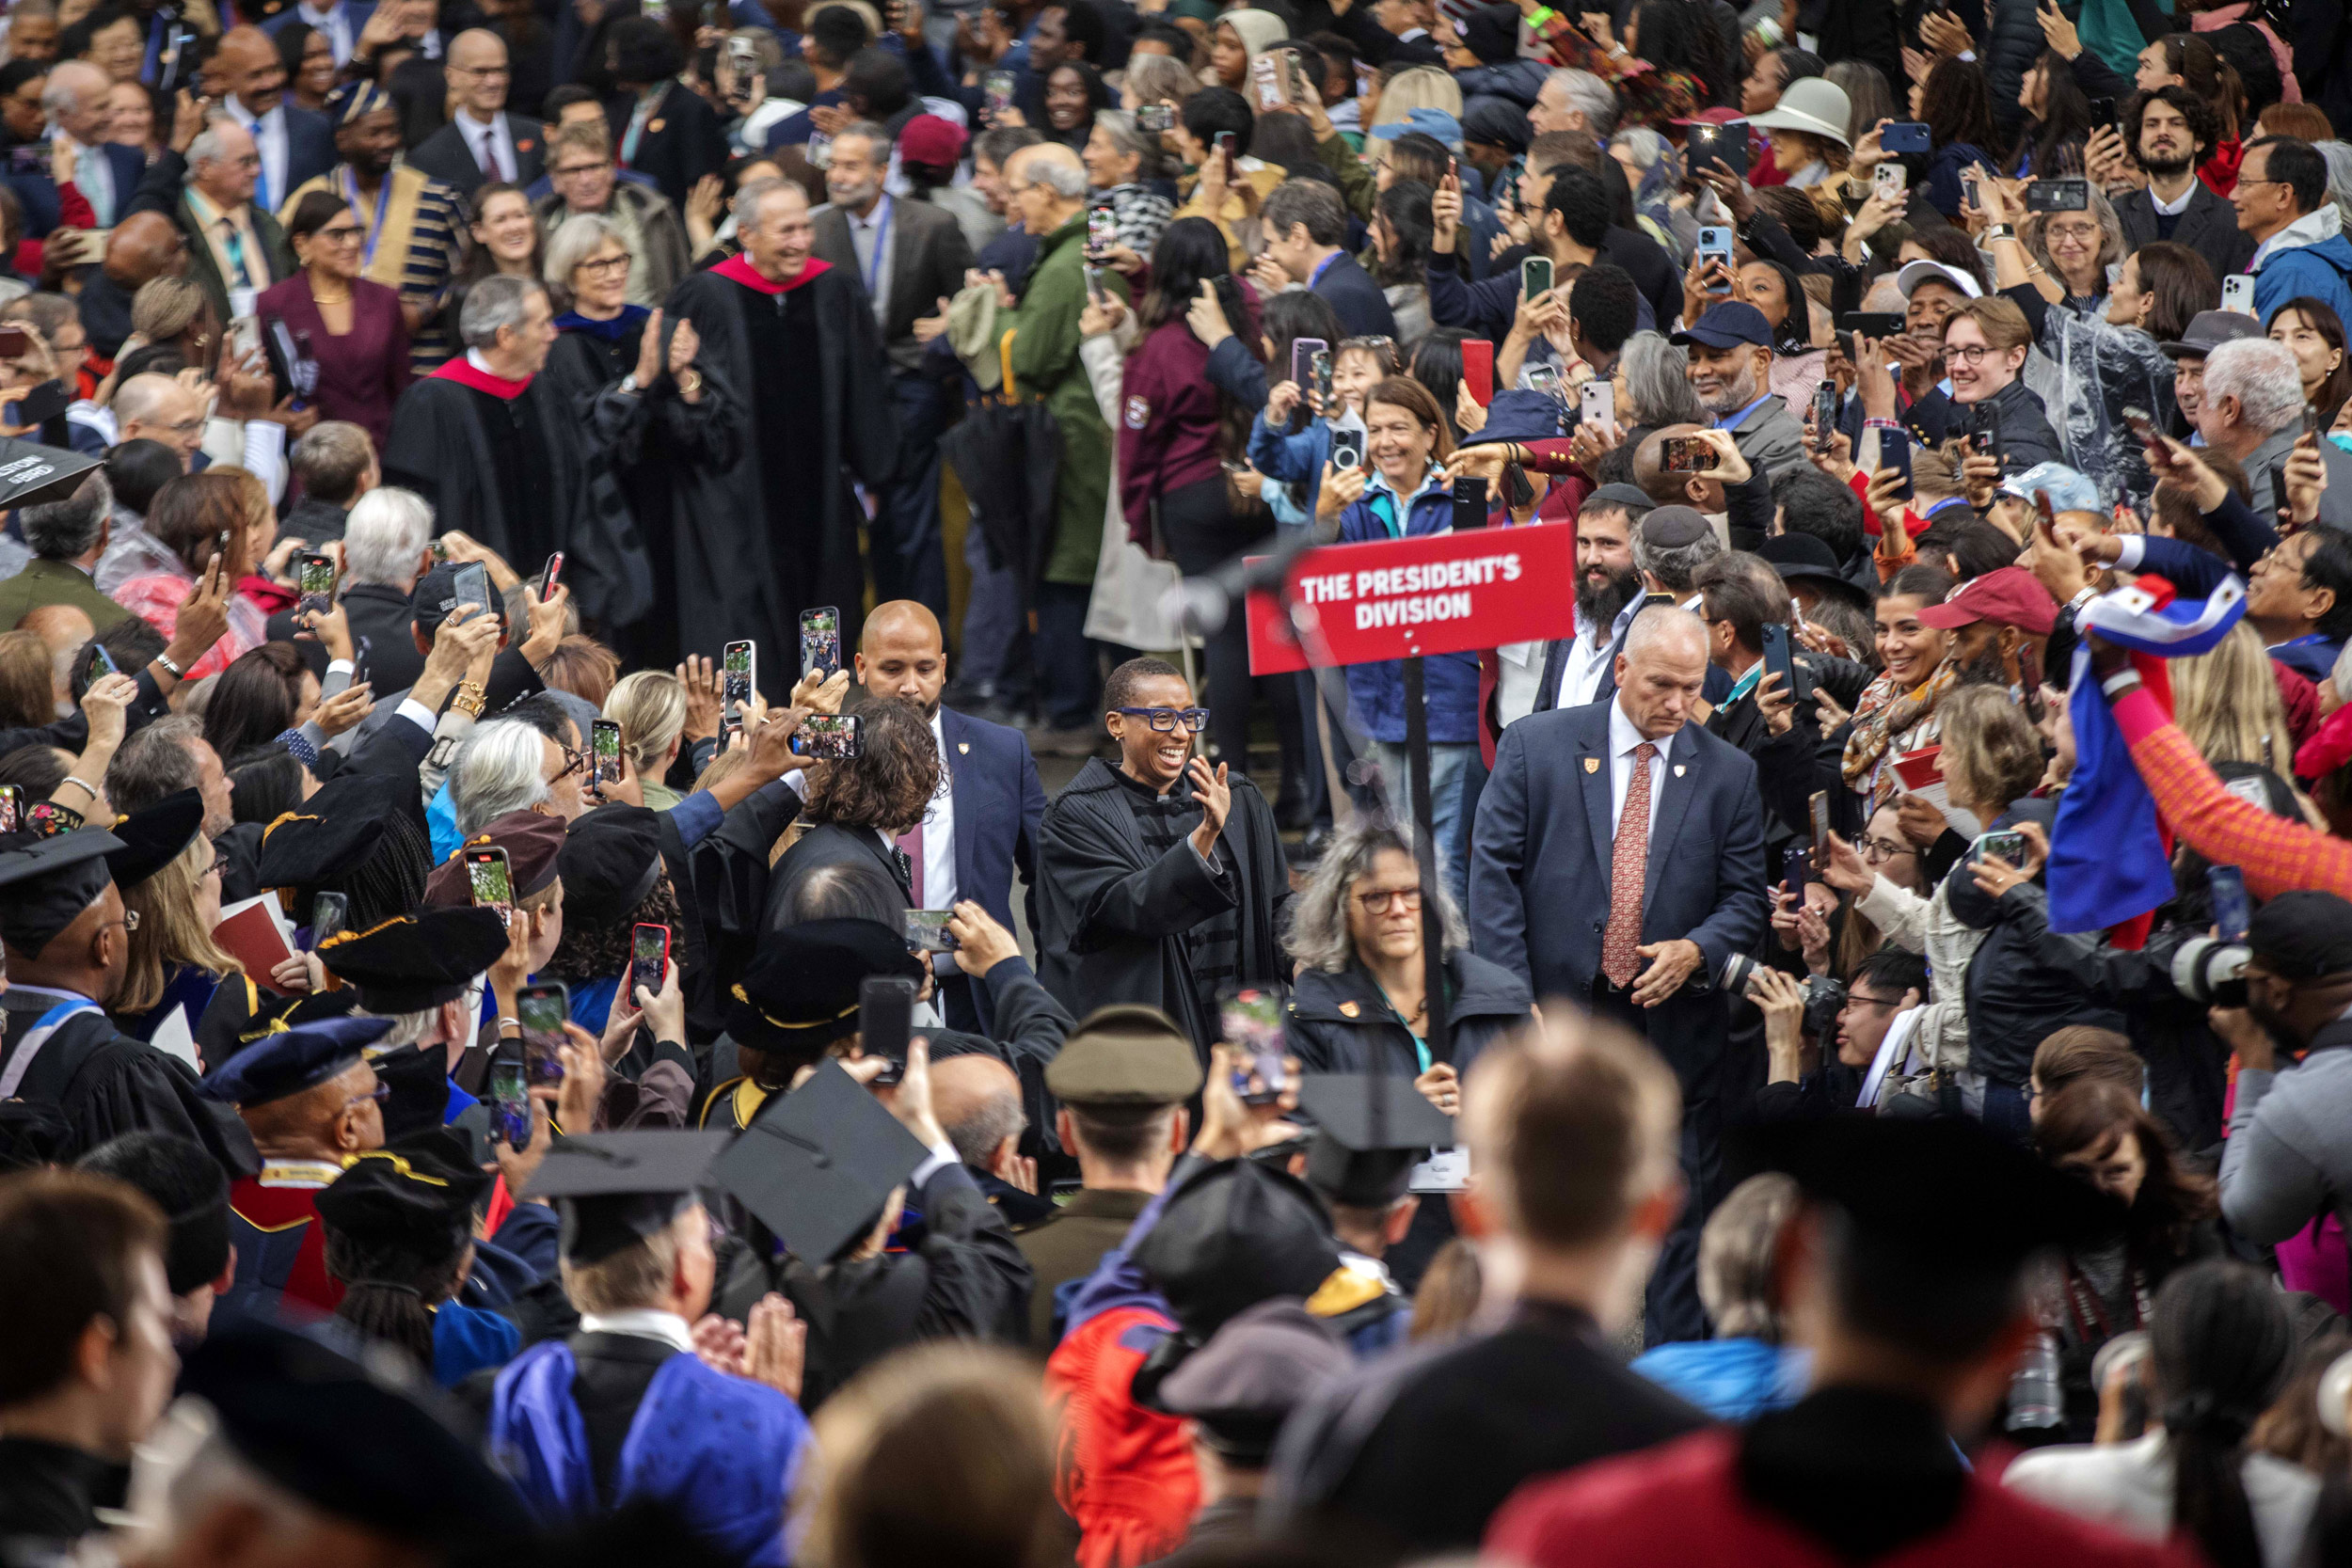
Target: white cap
1916, 273
1816, 105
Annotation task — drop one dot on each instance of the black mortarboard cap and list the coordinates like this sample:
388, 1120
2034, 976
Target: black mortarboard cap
154, 838
183, 1178
288, 1061
817, 1165
1235, 1234
341, 1437
417, 1194
800, 992
412, 962
608, 863
1372, 1130
335, 831
45, 883
34, 475
240, 1013
1241, 1385
613, 1190
1994, 1204
2303, 934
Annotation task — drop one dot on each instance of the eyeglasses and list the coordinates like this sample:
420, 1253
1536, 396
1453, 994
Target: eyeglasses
606, 264
1875, 849
1970, 353
381, 1093
1381, 901
344, 233
573, 763
130, 921
1165, 720
479, 70
1855, 999
219, 867
575, 171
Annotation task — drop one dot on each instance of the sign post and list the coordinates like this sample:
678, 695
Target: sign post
1407, 599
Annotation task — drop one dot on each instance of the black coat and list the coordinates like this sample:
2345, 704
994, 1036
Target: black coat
1112, 920
1417, 1450
1654, 274
682, 142
959, 1276
2207, 226
828, 843
725, 571
448, 154
1344, 1023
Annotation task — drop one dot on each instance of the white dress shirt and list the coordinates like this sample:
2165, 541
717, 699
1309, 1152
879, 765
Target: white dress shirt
2174, 209
1623, 738
335, 24
499, 134
93, 177
269, 140
939, 840
870, 244
641, 1322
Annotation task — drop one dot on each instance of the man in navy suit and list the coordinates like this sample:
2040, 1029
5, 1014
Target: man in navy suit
76, 99
1632, 911
296, 145
481, 142
1306, 228
983, 821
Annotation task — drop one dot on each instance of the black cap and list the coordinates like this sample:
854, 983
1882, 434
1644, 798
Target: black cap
1995, 1205
798, 993
154, 838
436, 595
49, 882
34, 475
1241, 1385
407, 964
289, 1061
817, 1165
416, 1194
241, 1012
180, 1176
341, 1437
2303, 934
1806, 558
1372, 1130
1234, 1234
416, 1081
613, 1190
335, 831
609, 863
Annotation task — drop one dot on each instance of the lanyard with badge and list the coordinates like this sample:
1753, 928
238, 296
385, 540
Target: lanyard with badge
383, 205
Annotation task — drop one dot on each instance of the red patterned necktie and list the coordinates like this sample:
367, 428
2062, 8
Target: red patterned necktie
1629, 871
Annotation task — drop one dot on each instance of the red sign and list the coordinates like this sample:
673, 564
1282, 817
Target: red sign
1400, 599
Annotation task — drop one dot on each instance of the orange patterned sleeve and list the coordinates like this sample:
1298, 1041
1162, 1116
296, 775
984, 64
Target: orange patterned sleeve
2277, 855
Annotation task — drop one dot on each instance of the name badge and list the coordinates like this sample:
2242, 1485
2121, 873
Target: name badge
1446, 1170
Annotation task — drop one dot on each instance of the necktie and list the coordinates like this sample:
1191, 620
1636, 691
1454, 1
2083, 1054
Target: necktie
234, 244
261, 178
490, 154
911, 862
1629, 871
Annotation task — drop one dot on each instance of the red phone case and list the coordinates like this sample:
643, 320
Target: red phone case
1478, 369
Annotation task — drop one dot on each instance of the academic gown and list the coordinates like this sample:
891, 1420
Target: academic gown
585, 369
1844, 1476
281, 1247
104, 1084
960, 1276
796, 404
584, 1424
508, 463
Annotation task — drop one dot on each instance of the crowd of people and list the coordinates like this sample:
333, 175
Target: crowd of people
550, 1011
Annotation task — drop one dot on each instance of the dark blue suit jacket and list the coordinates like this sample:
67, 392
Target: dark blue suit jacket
1356, 299
1540, 853
38, 193
998, 802
310, 149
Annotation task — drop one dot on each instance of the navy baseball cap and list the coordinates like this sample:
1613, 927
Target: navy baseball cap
1727, 325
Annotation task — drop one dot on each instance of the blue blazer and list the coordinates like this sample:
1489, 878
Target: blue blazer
310, 142
1540, 854
37, 194
998, 805
1356, 299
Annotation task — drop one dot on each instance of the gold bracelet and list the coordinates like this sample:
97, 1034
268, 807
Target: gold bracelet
471, 699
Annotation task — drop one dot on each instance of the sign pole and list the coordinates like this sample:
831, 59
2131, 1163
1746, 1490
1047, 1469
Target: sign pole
1425, 854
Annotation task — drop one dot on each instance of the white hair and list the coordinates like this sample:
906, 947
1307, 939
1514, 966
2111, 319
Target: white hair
1662, 623
575, 240
2339, 158
207, 145
494, 305
754, 196
498, 772
2262, 376
1645, 145
1065, 175
386, 536
1588, 92
61, 95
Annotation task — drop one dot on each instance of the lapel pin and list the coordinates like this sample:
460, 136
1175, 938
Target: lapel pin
656, 126
1592, 765
1678, 769
962, 746
1350, 1009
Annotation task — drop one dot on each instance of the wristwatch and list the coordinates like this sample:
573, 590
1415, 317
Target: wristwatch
1999, 231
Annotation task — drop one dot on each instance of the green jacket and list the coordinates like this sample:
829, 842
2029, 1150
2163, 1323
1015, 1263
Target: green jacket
48, 582
1046, 369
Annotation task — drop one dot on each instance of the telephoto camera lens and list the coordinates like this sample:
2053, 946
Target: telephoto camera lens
1738, 970
2208, 970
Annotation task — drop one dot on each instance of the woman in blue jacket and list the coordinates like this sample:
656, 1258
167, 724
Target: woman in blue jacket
1400, 492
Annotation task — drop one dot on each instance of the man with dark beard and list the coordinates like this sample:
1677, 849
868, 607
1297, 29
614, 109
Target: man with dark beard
1569, 671
2173, 132
1992, 618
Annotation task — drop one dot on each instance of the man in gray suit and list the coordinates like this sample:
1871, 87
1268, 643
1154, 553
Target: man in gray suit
2173, 132
912, 257
1617, 862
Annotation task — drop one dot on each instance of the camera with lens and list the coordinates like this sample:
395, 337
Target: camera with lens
1738, 971
2211, 971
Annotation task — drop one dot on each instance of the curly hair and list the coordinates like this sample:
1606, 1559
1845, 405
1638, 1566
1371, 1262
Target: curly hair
1318, 936
893, 777
587, 951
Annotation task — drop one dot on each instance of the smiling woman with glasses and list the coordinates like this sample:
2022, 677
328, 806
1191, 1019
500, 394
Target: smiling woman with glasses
347, 328
1361, 1003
